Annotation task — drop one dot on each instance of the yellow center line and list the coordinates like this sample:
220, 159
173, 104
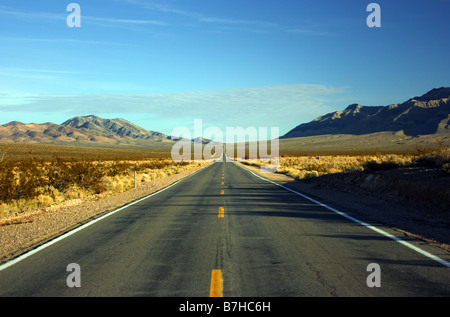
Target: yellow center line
222, 192
220, 212
216, 284
222, 183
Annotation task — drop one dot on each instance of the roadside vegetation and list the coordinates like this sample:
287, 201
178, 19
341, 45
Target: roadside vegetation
40, 178
421, 178
308, 166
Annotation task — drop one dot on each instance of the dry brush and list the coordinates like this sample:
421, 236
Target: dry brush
32, 183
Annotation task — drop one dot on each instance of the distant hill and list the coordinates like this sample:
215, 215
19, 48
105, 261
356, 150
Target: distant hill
114, 127
425, 115
85, 130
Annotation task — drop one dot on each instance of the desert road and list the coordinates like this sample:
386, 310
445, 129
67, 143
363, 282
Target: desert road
226, 232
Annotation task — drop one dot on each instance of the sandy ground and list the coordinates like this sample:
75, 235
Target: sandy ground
22, 233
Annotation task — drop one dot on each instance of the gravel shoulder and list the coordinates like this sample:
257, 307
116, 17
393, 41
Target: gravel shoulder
412, 202
27, 231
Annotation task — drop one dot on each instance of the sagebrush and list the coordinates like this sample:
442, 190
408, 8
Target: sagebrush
36, 183
304, 167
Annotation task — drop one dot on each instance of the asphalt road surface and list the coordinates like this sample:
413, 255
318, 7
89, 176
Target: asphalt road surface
226, 232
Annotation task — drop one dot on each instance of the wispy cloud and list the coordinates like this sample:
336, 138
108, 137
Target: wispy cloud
31, 15
56, 40
236, 22
34, 70
100, 21
305, 31
161, 7
224, 23
122, 21
40, 77
258, 106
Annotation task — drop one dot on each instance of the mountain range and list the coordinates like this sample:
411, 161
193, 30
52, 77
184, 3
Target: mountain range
419, 119
83, 130
424, 115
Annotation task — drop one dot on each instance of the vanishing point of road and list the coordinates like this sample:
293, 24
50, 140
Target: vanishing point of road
224, 231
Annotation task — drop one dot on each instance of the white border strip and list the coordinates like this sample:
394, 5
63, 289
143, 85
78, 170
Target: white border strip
409, 245
69, 233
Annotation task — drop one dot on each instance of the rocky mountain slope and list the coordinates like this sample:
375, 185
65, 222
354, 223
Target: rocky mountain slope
85, 130
424, 115
115, 127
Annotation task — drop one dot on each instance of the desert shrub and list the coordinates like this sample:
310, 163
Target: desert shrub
311, 174
446, 168
37, 176
373, 166
353, 168
301, 167
44, 201
19, 180
62, 175
31, 183
386, 163
433, 159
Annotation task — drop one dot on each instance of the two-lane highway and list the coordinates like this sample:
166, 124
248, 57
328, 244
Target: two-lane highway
226, 232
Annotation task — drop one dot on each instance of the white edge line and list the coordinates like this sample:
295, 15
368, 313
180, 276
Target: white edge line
407, 244
69, 233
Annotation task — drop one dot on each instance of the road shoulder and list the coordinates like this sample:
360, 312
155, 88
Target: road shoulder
363, 204
21, 234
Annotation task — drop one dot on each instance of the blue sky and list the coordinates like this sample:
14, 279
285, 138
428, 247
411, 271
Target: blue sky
261, 63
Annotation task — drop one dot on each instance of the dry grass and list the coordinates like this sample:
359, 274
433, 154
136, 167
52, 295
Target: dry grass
48, 152
422, 177
304, 167
301, 167
446, 168
36, 181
